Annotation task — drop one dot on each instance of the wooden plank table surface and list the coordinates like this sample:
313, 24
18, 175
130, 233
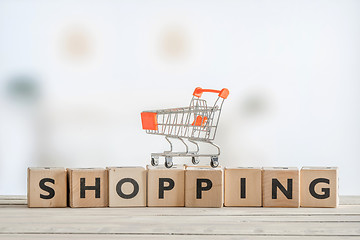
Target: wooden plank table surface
17, 221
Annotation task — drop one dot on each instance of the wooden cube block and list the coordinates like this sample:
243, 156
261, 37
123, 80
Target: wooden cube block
199, 166
281, 187
88, 187
165, 186
203, 187
242, 187
127, 187
47, 187
319, 187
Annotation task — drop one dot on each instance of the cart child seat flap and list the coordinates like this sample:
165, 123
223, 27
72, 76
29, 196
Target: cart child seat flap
200, 121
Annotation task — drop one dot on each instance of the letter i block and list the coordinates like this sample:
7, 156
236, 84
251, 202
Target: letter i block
47, 187
203, 187
243, 187
165, 186
319, 187
127, 187
281, 187
88, 187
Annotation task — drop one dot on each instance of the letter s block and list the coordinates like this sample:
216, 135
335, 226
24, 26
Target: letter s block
165, 186
127, 187
203, 187
88, 187
47, 187
319, 187
281, 187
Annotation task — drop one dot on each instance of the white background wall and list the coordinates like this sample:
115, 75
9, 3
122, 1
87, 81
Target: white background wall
292, 68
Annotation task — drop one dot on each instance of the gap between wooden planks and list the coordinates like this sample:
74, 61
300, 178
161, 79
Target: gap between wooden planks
18, 222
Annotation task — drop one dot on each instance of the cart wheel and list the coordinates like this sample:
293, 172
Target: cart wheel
154, 161
168, 162
195, 160
214, 162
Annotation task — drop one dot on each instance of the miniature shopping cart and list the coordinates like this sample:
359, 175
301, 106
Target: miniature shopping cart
196, 123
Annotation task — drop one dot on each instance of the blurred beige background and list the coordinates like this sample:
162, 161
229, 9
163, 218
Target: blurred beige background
75, 75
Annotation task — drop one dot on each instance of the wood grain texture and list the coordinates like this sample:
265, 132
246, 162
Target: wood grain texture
289, 179
49, 179
175, 211
91, 177
166, 236
21, 222
167, 195
133, 186
324, 192
204, 187
101, 222
249, 195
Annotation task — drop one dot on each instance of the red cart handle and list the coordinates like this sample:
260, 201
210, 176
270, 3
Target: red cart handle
223, 93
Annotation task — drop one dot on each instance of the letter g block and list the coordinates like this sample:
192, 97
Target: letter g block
319, 187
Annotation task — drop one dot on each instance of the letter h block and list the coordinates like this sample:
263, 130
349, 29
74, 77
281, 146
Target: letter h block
281, 187
47, 187
88, 187
204, 187
319, 187
127, 187
165, 186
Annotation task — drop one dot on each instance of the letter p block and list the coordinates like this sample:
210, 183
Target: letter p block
166, 186
203, 187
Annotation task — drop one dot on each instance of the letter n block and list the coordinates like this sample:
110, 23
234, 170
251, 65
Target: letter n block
88, 187
165, 186
203, 187
281, 187
319, 187
243, 187
127, 187
47, 187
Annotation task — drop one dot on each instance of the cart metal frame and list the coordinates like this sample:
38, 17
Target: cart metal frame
196, 123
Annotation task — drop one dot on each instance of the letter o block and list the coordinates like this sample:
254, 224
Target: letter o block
281, 187
165, 186
319, 187
88, 187
203, 187
47, 187
127, 187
